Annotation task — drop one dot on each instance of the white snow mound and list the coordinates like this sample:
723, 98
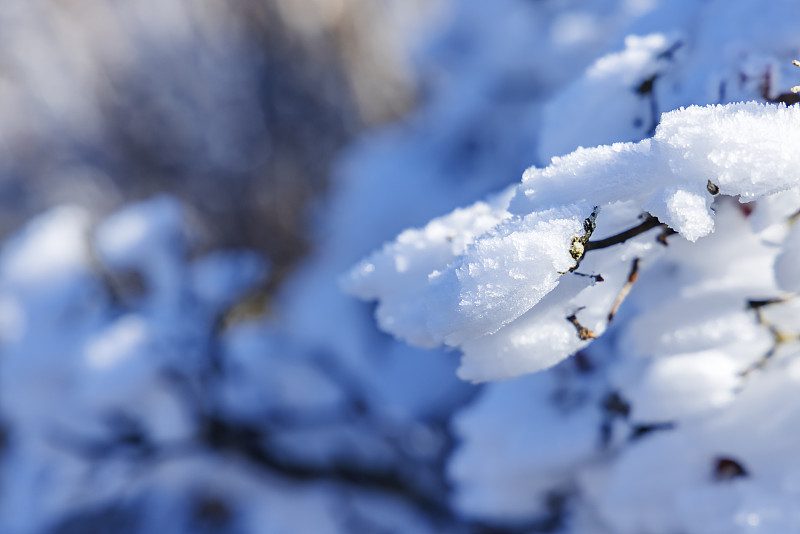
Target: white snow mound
483, 279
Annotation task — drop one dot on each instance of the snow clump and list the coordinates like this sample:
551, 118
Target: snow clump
504, 295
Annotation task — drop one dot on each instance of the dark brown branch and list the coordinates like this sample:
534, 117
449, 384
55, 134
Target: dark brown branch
726, 468
623, 293
665, 233
595, 277
755, 304
649, 223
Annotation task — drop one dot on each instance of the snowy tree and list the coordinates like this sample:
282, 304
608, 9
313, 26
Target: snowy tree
606, 347
649, 282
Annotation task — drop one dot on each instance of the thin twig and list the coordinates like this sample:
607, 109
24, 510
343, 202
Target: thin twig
595, 277
665, 233
623, 293
779, 337
649, 223
583, 332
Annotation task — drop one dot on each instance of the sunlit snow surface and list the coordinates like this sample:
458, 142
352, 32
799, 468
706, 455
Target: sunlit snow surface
520, 269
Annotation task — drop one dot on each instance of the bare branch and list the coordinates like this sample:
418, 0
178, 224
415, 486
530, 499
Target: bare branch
583, 332
595, 277
623, 293
779, 337
649, 223
665, 233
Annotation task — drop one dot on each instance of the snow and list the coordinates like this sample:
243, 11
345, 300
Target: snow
626, 116
507, 271
617, 380
631, 426
52, 247
497, 435
786, 263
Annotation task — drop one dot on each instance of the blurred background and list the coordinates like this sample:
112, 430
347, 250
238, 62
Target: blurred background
165, 165
239, 109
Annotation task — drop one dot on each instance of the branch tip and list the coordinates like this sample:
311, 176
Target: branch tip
583, 332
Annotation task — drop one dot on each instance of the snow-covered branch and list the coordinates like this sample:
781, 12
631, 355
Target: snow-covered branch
494, 280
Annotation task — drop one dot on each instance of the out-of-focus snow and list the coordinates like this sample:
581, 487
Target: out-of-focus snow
787, 264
